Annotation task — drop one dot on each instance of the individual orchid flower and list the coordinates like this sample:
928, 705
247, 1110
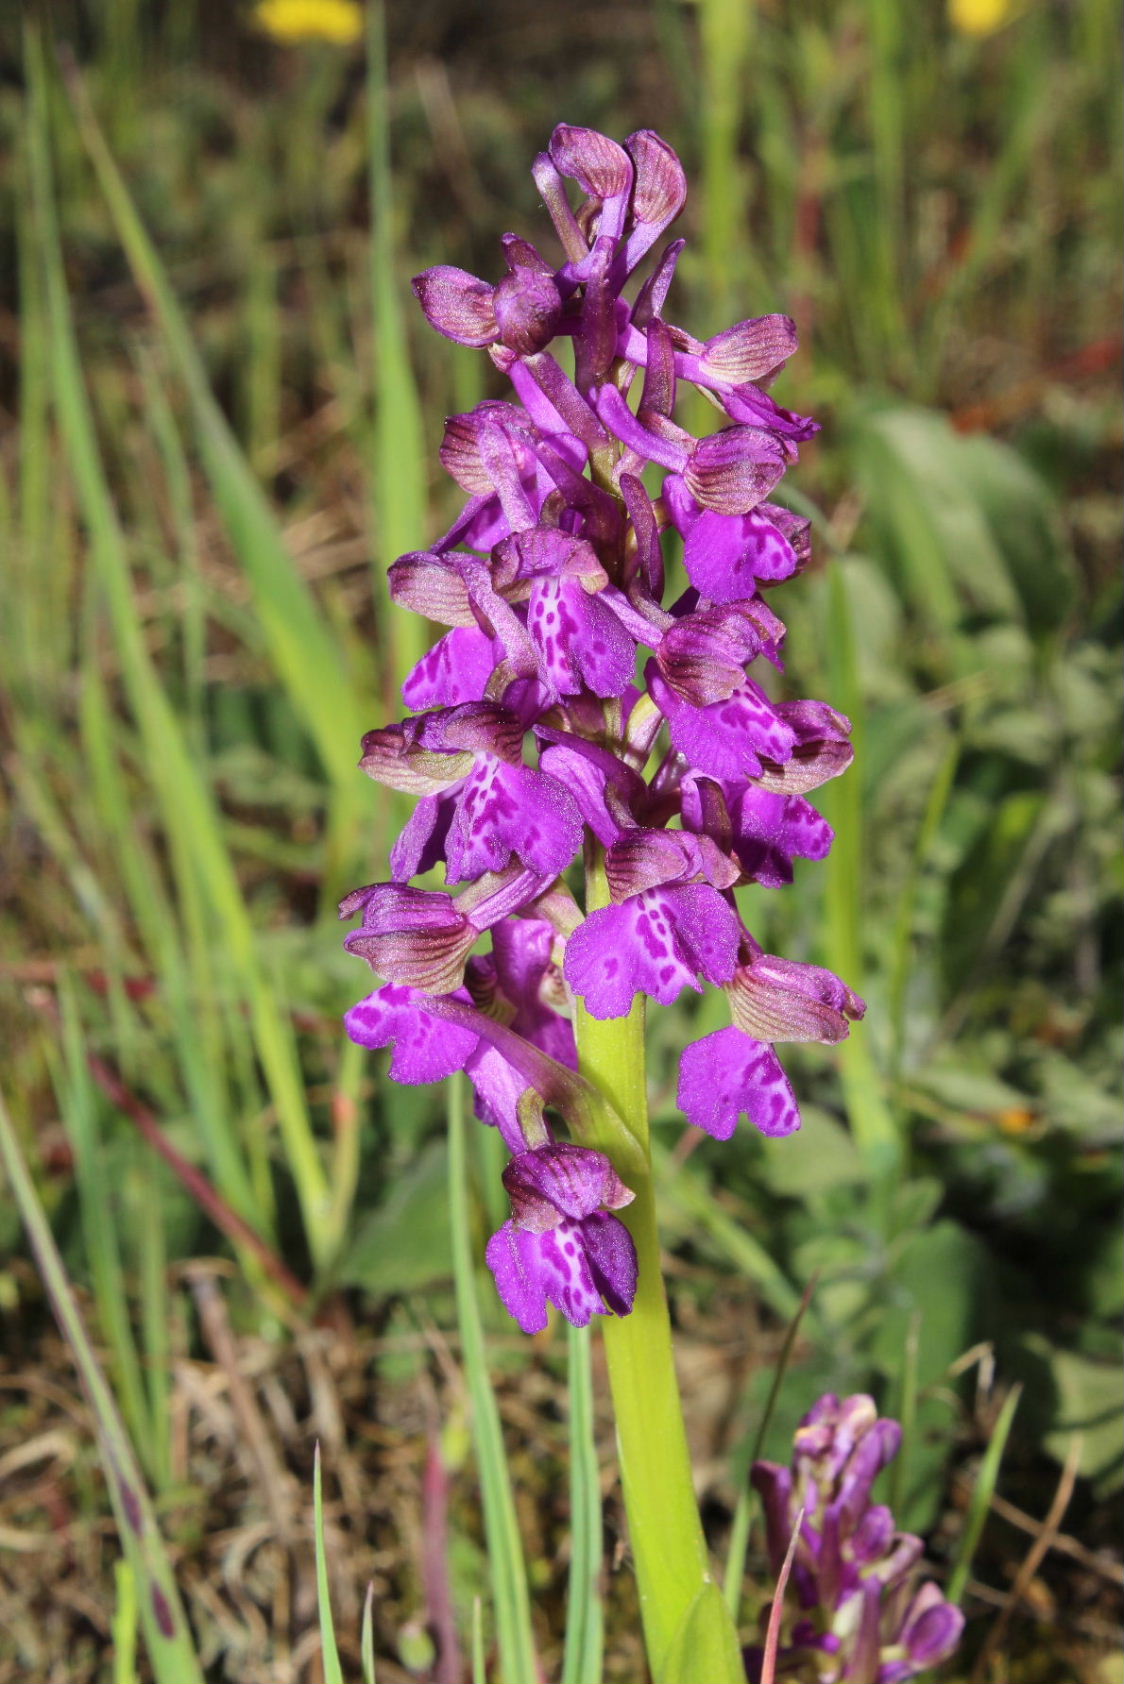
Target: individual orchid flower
562, 1245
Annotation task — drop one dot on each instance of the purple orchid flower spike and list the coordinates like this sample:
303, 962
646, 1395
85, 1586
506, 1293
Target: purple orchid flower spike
562, 677
861, 1617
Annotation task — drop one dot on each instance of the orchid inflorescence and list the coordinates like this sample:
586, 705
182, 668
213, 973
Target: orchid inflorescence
672, 773
862, 1616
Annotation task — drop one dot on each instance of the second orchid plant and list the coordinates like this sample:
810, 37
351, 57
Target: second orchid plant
597, 770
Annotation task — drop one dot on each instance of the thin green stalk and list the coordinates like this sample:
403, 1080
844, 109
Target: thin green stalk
367, 1637
726, 29
677, 1592
329, 1654
347, 1117
124, 1628
584, 1620
505, 1550
149, 1210
901, 947
984, 1490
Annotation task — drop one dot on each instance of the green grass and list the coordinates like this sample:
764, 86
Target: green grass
223, 426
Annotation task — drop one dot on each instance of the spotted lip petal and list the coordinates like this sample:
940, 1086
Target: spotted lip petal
726, 739
504, 812
658, 943
769, 831
585, 1268
426, 1049
727, 1075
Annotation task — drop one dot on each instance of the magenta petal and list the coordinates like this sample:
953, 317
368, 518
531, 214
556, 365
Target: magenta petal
933, 1628
498, 1088
611, 1255
603, 787
522, 950
726, 1074
532, 1269
770, 831
456, 669
527, 307
421, 843
426, 1049
513, 1260
579, 638
656, 943
725, 555
504, 810
725, 739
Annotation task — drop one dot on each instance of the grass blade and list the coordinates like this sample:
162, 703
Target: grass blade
161, 1613
302, 647
776, 1613
872, 1123
982, 1493
367, 1638
584, 1619
333, 1672
190, 816
124, 1627
100, 1229
505, 1550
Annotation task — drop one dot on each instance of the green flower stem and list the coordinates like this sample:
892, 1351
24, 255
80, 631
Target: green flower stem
672, 1567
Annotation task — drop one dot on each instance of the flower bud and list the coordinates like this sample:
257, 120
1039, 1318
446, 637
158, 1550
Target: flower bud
527, 308
457, 305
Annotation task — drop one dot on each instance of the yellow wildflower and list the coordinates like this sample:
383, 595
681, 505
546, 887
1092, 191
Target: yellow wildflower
982, 17
338, 21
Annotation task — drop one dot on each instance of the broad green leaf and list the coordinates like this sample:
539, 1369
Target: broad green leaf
933, 1290
705, 1646
1090, 1403
404, 1244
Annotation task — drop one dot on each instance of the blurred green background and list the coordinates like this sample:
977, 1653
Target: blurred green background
219, 412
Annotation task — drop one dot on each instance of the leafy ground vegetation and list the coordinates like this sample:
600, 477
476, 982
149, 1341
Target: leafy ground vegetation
217, 407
